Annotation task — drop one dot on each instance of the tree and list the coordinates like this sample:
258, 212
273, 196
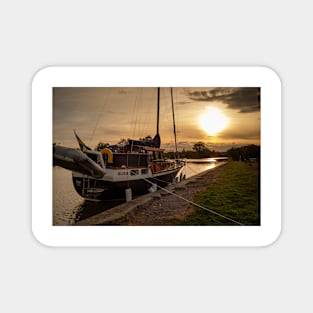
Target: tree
244, 153
199, 146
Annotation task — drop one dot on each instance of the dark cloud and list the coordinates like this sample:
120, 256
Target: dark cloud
244, 99
240, 134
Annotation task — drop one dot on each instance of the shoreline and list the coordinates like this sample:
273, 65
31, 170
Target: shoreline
158, 208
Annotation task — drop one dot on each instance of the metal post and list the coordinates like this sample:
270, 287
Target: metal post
128, 194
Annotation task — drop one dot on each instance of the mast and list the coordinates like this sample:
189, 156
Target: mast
176, 153
158, 111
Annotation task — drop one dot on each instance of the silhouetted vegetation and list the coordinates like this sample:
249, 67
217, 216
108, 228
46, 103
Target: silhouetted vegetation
200, 150
246, 153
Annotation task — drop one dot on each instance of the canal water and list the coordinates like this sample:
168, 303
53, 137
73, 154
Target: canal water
69, 207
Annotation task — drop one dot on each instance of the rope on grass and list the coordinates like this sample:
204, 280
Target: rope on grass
197, 205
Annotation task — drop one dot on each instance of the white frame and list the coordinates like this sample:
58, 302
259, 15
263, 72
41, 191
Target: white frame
154, 236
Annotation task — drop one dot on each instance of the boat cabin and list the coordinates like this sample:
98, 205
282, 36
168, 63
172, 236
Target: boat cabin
138, 157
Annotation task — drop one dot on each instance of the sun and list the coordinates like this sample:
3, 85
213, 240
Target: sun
213, 121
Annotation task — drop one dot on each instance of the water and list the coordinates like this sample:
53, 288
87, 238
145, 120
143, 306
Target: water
69, 207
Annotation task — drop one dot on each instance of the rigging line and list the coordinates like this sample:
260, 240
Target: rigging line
169, 122
176, 112
137, 111
132, 124
146, 126
160, 180
151, 114
195, 204
176, 153
191, 168
145, 116
99, 115
139, 117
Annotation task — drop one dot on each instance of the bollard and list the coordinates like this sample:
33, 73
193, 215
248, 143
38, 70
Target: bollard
128, 194
153, 188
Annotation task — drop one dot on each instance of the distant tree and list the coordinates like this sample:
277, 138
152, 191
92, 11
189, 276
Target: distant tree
244, 153
234, 154
183, 153
170, 154
199, 146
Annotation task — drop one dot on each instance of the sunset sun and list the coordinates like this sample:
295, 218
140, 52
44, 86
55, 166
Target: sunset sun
213, 121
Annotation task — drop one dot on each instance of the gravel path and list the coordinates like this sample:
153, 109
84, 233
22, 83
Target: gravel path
168, 207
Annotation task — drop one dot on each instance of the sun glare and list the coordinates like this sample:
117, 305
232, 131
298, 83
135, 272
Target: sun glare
213, 121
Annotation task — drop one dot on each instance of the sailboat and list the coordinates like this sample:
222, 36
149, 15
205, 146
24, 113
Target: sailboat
120, 171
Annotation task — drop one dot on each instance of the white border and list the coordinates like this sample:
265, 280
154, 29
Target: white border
163, 236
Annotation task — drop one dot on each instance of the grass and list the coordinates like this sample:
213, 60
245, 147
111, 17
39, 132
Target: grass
235, 194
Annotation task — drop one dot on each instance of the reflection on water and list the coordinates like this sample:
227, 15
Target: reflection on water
69, 207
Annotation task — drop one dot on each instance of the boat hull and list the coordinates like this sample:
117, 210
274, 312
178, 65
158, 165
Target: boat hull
102, 189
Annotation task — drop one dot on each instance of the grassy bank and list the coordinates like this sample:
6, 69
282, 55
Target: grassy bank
235, 194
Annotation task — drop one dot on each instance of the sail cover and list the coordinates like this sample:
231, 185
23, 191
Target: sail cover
155, 142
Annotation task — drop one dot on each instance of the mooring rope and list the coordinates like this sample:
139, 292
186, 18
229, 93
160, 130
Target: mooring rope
188, 166
195, 204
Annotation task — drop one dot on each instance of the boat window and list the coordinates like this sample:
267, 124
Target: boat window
134, 172
144, 171
130, 159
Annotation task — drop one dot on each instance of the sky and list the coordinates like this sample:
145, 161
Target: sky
221, 117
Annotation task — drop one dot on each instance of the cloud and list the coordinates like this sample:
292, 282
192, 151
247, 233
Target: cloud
240, 134
108, 114
243, 99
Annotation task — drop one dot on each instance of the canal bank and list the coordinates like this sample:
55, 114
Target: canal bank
159, 207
